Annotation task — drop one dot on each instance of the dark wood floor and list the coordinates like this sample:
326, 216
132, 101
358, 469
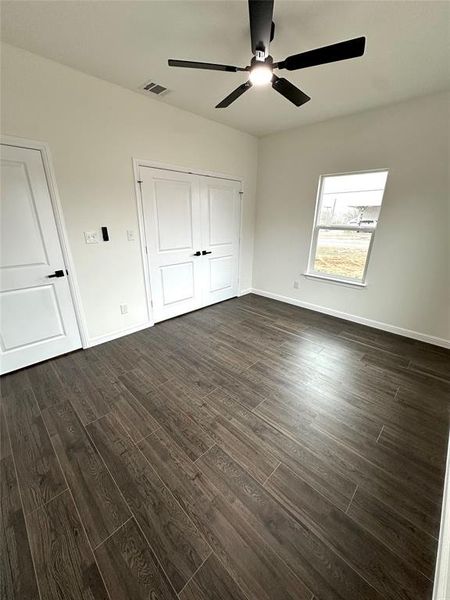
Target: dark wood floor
250, 450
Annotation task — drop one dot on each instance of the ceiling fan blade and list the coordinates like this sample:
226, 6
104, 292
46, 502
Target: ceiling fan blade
235, 95
327, 54
289, 91
260, 13
190, 64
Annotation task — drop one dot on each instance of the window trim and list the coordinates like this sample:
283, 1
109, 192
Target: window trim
316, 228
326, 278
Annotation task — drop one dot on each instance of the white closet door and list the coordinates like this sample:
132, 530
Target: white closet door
220, 207
171, 204
37, 317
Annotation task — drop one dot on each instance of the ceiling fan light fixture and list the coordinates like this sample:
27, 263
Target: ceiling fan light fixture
260, 75
260, 71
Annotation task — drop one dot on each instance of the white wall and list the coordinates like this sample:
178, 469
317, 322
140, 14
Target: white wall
408, 274
94, 128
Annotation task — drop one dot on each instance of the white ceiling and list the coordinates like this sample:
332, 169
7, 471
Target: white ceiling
129, 42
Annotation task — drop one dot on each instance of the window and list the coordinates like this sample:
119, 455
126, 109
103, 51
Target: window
347, 212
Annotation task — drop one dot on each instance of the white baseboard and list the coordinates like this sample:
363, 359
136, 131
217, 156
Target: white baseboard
246, 291
423, 337
101, 339
415, 335
441, 589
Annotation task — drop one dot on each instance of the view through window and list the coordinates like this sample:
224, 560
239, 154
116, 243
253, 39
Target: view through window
346, 219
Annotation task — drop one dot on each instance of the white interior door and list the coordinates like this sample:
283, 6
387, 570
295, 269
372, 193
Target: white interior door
192, 238
171, 203
37, 317
221, 208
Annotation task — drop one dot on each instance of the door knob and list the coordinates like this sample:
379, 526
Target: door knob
59, 273
206, 252
198, 253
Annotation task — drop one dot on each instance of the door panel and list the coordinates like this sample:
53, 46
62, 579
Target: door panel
221, 271
174, 215
222, 220
171, 204
37, 318
21, 239
220, 200
177, 282
16, 310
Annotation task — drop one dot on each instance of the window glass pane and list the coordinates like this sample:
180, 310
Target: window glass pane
342, 253
354, 182
352, 199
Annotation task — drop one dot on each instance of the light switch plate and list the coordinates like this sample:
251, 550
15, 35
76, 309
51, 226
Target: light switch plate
130, 235
91, 237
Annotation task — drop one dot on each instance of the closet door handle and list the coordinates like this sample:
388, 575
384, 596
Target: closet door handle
198, 253
59, 273
205, 252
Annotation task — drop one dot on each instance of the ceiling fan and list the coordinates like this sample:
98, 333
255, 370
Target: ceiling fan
260, 70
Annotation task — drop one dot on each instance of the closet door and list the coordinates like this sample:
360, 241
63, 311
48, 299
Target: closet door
172, 218
220, 214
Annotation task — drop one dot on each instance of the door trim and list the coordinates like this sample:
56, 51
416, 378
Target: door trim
44, 149
137, 163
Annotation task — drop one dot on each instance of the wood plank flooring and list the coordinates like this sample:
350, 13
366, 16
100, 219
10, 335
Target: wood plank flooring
251, 450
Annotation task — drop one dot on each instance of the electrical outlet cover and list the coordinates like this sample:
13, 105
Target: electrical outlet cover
91, 237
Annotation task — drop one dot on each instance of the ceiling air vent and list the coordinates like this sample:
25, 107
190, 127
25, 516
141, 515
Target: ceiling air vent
154, 88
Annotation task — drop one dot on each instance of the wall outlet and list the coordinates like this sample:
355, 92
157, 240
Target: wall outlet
124, 309
296, 284
91, 237
130, 235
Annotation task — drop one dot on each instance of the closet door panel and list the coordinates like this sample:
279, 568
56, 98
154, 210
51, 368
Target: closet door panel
171, 204
220, 207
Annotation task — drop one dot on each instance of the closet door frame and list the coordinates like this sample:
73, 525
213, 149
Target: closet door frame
137, 164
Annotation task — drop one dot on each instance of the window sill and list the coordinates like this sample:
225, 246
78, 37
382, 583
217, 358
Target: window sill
335, 280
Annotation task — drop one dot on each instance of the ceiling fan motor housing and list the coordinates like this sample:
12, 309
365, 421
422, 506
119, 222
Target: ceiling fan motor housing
257, 61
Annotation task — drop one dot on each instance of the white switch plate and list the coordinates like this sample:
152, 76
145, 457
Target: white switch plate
124, 309
91, 237
296, 284
130, 235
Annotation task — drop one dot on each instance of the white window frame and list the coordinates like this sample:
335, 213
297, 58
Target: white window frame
310, 272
